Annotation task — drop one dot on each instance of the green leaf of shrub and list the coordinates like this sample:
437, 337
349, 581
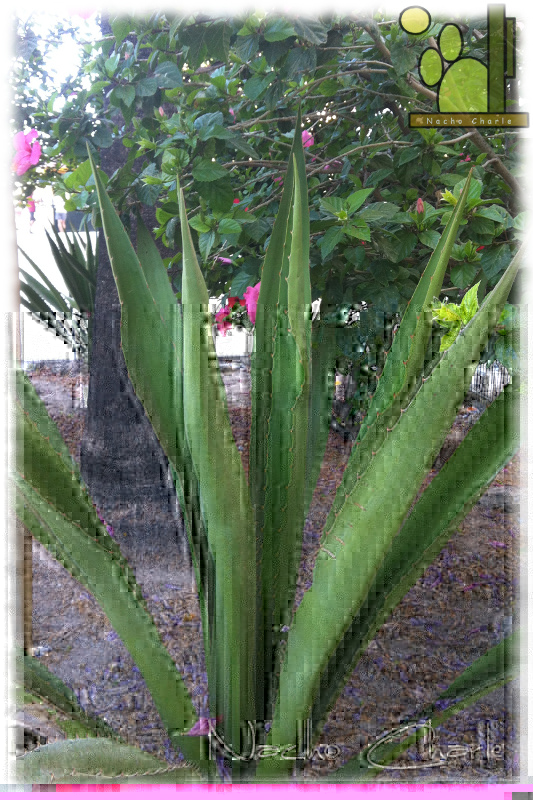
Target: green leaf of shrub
168, 76
205, 243
206, 170
376, 212
80, 176
121, 27
463, 274
217, 40
429, 238
495, 260
254, 87
356, 199
330, 240
198, 224
219, 194
228, 227
311, 30
408, 154
240, 283
125, 93
469, 304
146, 87
278, 29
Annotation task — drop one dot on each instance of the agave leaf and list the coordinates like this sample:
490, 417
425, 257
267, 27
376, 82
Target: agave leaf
71, 278
321, 398
88, 560
281, 377
150, 331
493, 669
97, 761
59, 302
185, 479
34, 301
42, 292
225, 502
488, 446
372, 514
151, 335
33, 406
80, 283
42, 683
196, 751
56, 509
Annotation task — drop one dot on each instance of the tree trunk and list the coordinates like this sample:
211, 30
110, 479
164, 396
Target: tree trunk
122, 461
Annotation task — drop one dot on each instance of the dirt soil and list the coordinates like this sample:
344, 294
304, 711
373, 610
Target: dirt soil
465, 602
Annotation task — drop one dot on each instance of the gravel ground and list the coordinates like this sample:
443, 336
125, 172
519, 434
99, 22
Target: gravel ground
464, 603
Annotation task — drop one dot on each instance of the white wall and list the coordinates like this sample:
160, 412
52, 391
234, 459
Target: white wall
37, 342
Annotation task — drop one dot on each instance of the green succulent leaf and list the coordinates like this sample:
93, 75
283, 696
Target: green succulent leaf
494, 669
55, 507
363, 525
46, 686
97, 761
486, 449
225, 503
281, 370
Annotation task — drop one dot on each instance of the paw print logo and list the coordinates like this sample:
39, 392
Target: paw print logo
462, 84
465, 84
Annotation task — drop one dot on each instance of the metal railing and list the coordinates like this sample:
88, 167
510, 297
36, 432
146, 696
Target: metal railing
488, 381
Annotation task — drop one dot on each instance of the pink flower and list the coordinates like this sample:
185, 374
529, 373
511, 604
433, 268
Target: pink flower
307, 139
84, 14
465, 159
223, 320
27, 154
161, 111
236, 201
335, 166
202, 726
481, 247
250, 296
224, 260
109, 528
279, 180
234, 300
224, 312
419, 206
232, 112
224, 326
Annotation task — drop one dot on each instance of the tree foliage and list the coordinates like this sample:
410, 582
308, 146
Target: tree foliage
214, 100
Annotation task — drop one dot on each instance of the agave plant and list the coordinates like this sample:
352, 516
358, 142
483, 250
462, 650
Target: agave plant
273, 674
70, 316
